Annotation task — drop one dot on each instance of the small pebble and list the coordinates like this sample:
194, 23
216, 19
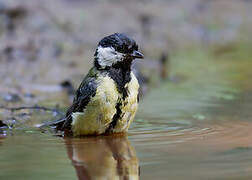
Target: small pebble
12, 97
29, 95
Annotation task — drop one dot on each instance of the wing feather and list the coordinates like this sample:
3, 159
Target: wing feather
86, 90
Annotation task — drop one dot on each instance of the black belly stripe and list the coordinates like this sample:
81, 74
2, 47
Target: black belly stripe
119, 114
121, 76
116, 117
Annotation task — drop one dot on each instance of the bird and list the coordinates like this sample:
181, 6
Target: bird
107, 98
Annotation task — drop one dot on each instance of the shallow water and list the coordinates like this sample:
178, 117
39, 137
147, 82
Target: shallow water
199, 128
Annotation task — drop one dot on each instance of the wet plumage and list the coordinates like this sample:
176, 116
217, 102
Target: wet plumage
107, 99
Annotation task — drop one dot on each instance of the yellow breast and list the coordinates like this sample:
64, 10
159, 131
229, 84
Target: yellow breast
99, 112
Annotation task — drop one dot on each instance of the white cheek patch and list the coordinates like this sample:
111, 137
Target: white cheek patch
108, 56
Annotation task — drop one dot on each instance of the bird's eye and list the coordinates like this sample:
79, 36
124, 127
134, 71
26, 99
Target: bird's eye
130, 50
135, 47
119, 49
122, 49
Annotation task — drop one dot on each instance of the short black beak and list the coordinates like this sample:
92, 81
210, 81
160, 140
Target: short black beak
137, 54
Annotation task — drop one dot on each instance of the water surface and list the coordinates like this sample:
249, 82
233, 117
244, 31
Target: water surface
197, 127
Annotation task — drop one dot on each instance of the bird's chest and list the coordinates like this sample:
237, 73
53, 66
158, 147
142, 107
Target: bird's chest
129, 101
109, 110
120, 100
126, 106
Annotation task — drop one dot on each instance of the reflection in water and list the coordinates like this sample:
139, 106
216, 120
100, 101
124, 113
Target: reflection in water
1, 138
106, 157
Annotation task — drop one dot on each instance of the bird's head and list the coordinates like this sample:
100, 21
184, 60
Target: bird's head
116, 50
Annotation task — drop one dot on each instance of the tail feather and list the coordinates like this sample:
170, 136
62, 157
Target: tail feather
57, 123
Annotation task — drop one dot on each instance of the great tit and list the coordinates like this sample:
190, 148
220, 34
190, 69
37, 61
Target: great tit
107, 99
